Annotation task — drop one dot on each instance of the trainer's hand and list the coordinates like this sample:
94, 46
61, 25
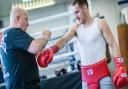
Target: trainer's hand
46, 33
120, 75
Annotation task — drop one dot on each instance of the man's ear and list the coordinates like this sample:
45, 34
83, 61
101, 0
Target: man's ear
84, 7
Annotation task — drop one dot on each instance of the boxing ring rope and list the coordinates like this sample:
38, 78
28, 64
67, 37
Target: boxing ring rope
64, 55
64, 14
38, 35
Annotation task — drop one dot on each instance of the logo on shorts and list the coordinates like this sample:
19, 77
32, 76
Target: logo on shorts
90, 72
121, 60
124, 75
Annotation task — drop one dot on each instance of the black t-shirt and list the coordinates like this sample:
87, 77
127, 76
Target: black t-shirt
20, 67
1, 75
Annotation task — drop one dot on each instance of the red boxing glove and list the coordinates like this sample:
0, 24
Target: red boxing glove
46, 56
120, 75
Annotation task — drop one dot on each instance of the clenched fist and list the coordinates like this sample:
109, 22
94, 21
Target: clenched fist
46, 33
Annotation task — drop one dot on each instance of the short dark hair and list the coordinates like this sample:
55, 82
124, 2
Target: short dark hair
80, 2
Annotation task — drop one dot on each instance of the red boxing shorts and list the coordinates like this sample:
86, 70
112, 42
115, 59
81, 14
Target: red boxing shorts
92, 74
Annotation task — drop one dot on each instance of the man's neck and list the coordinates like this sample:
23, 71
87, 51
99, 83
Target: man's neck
88, 21
14, 25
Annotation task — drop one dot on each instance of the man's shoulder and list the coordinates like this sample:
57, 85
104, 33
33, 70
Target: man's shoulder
9, 30
74, 26
102, 21
13, 31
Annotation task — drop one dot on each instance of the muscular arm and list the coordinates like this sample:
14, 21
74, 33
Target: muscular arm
37, 45
109, 38
120, 74
68, 36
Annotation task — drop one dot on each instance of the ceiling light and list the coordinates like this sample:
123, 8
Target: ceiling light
32, 4
26, 1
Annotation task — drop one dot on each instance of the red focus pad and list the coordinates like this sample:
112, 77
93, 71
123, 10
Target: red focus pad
93, 73
45, 57
120, 75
